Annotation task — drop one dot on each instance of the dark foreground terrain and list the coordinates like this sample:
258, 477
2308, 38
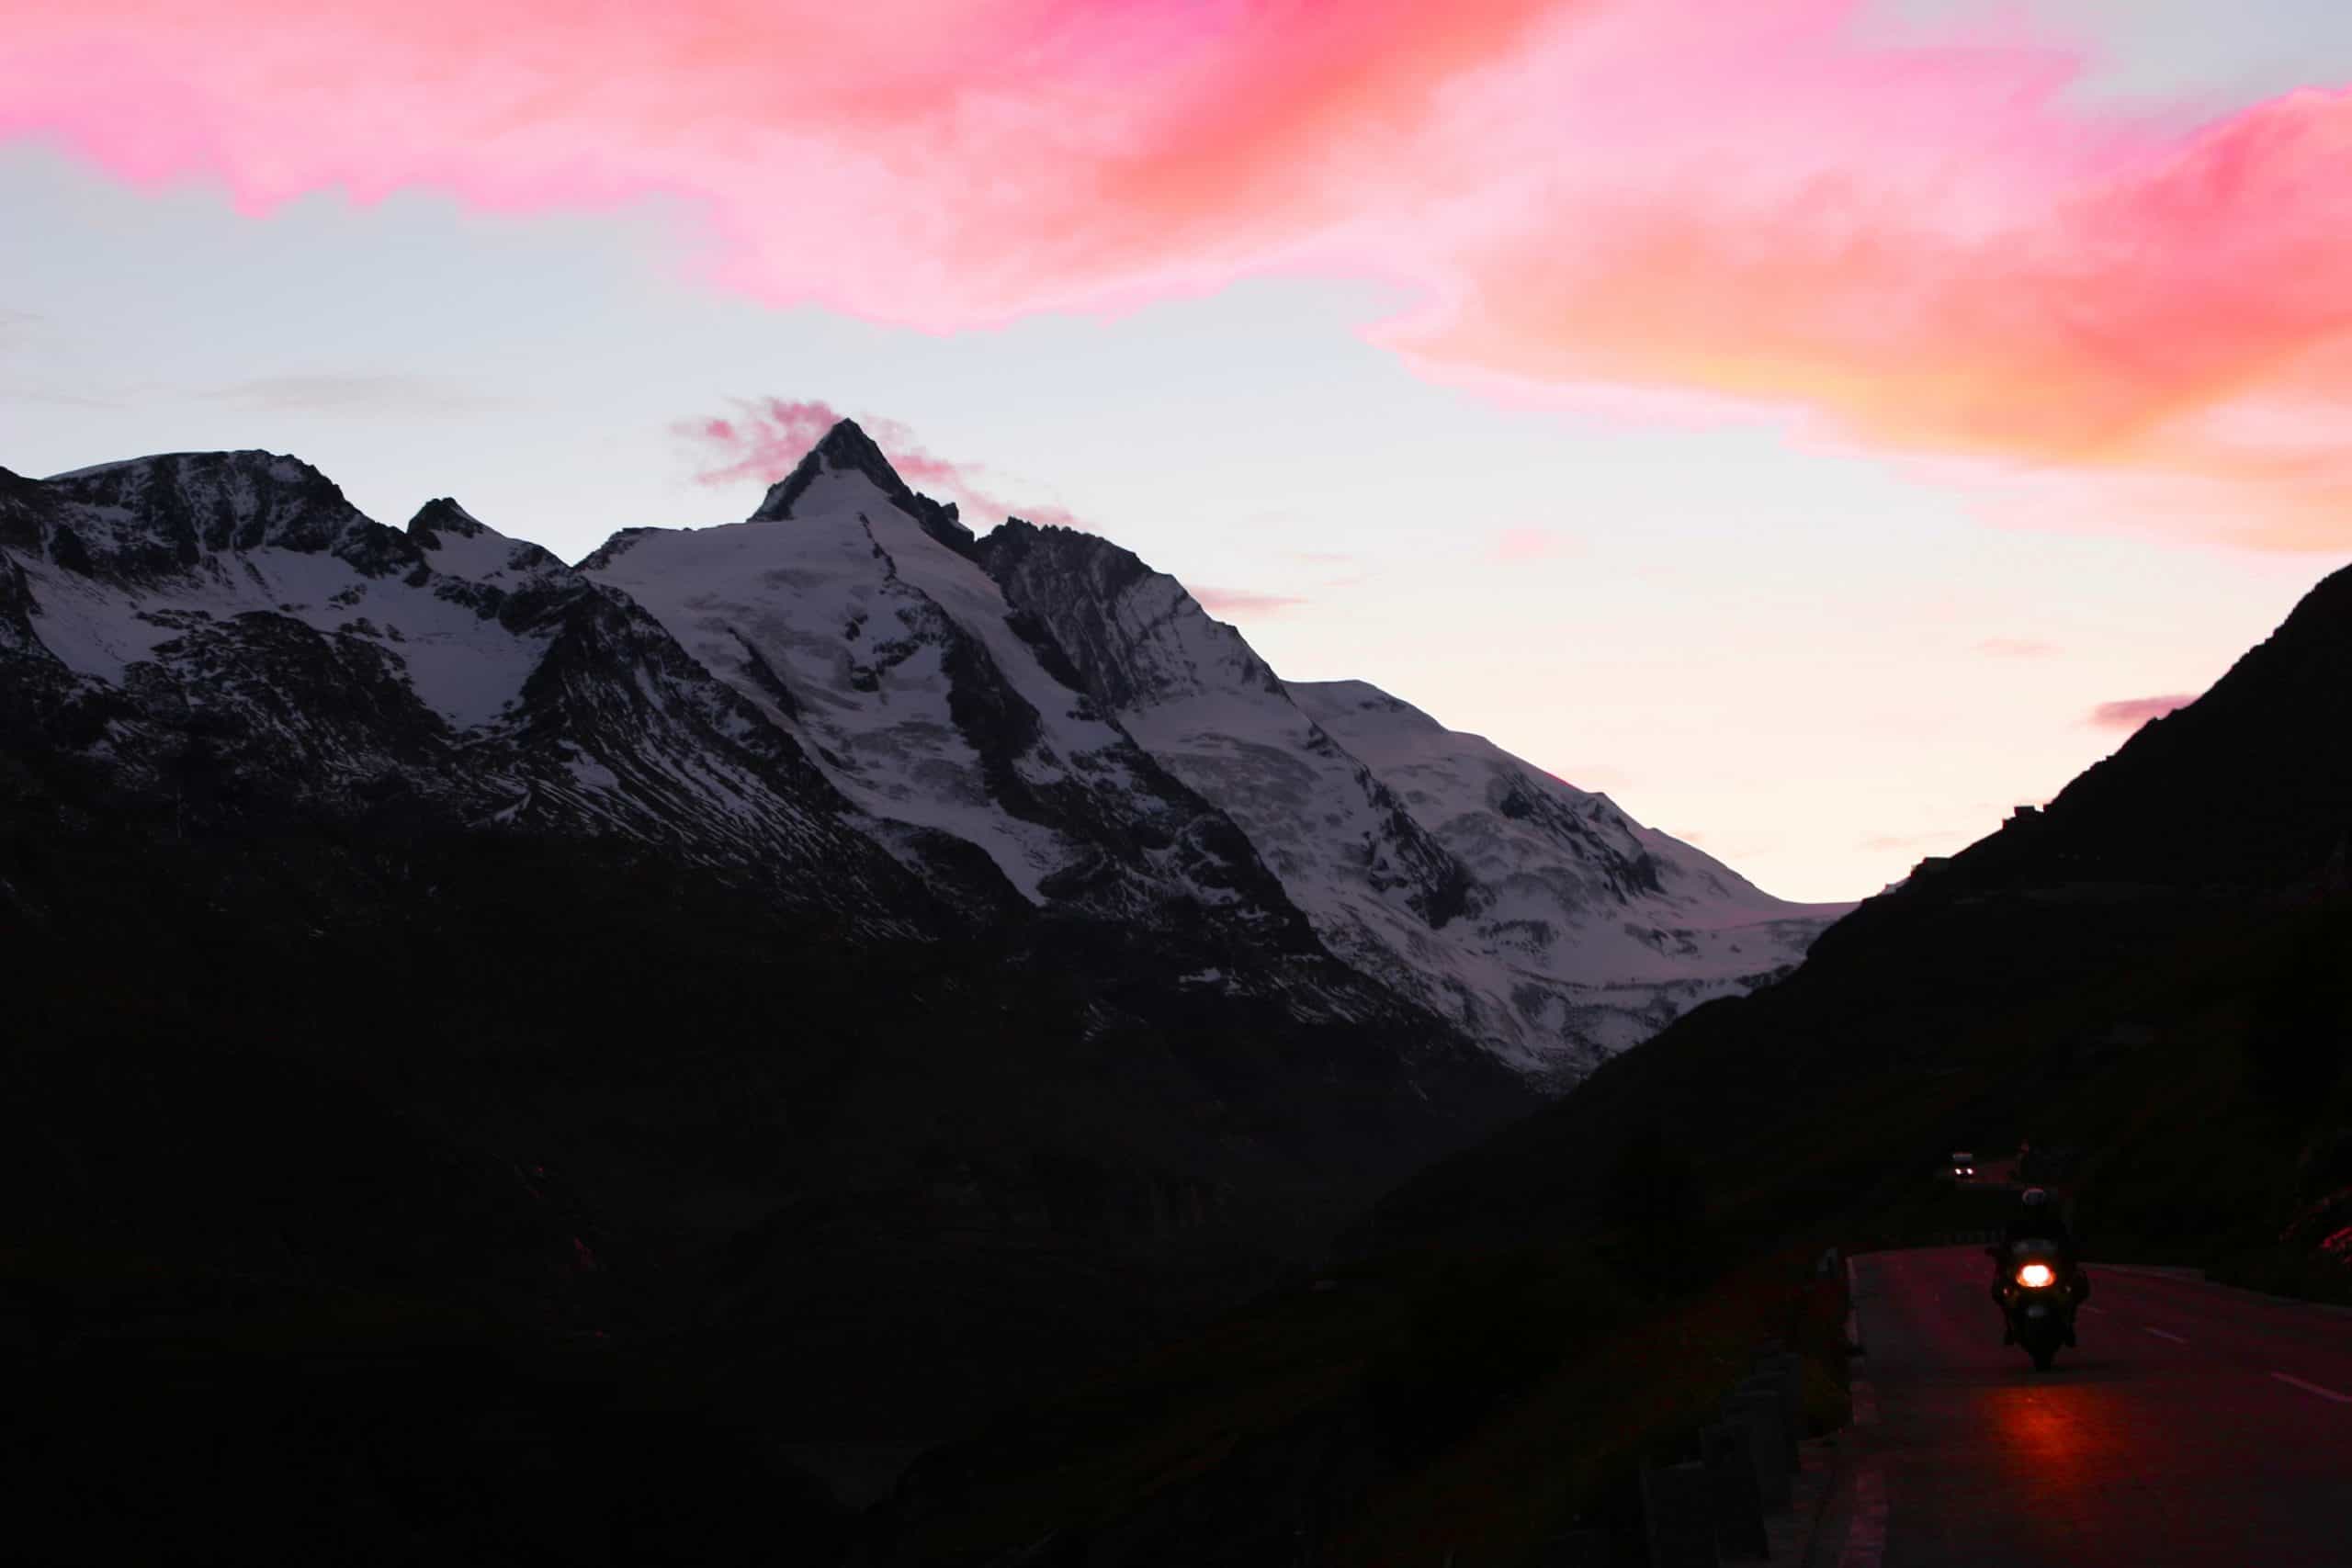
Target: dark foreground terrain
2150, 982
376, 1189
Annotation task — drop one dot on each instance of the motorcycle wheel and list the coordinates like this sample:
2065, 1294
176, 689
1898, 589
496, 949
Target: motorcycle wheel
2042, 1356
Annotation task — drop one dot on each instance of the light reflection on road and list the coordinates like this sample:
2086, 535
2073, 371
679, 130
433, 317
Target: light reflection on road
2192, 1427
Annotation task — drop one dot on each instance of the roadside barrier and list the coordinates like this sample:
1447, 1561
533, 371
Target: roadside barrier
1700, 1512
1677, 1516
1734, 1499
1769, 1445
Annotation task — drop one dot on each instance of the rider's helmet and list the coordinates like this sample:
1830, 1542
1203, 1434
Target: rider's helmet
2033, 1197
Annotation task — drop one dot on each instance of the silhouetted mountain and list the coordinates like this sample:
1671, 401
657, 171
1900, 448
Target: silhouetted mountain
1540, 918
2250, 786
876, 972
2053, 980
2150, 982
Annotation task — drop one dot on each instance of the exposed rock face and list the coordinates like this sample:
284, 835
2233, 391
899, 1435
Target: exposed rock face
847, 449
1135, 636
230, 618
854, 619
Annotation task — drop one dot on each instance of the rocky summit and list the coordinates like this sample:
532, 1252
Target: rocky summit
1043, 695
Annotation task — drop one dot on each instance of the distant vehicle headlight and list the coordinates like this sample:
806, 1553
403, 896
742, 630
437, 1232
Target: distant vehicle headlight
2034, 1275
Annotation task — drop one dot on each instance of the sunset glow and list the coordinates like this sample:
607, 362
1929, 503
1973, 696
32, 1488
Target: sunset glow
1900, 248
1667, 195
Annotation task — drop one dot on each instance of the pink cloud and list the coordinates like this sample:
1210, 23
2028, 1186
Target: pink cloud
766, 439
1243, 601
1663, 204
1532, 544
2016, 648
2133, 712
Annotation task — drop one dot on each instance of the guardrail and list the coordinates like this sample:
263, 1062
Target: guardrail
1752, 1493
1696, 1513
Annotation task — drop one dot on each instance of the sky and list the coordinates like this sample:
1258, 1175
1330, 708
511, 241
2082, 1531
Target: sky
1822, 425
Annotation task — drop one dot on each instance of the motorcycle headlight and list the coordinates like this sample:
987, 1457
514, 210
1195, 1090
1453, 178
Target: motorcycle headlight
2034, 1275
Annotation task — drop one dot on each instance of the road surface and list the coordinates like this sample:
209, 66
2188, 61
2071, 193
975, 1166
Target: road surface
2194, 1425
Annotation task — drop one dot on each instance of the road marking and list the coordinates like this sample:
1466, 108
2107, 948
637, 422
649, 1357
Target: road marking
2314, 1388
2162, 1333
2194, 1277
1866, 1531
2088, 1307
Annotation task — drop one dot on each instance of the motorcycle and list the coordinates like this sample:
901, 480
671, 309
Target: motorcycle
2038, 1294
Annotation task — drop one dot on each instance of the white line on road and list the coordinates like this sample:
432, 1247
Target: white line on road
2191, 1277
2314, 1388
2088, 1307
2162, 1333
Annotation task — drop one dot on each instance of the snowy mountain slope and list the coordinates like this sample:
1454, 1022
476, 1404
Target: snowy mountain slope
1199, 699
851, 698
230, 622
1541, 920
1603, 930
851, 613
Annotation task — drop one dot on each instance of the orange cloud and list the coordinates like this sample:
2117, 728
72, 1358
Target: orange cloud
1662, 204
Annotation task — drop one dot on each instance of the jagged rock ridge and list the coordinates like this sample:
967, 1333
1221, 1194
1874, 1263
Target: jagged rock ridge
1044, 695
1540, 918
229, 622
853, 698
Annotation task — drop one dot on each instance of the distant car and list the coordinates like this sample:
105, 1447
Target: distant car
1963, 1166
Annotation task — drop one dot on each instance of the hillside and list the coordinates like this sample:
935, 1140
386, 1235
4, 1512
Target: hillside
2151, 981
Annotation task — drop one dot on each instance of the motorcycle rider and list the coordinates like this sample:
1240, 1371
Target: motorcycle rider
2036, 1218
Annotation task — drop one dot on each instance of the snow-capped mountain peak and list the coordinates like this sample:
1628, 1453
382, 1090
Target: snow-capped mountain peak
444, 515
1135, 635
333, 663
847, 450
147, 518
458, 543
849, 687
853, 614
1541, 919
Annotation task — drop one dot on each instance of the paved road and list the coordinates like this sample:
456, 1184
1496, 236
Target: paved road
2195, 1426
